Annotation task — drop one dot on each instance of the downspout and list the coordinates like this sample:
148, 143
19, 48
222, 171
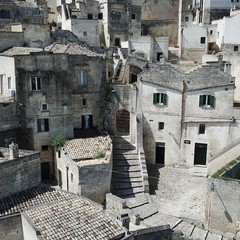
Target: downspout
182, 119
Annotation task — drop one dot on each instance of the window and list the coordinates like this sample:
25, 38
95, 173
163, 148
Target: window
84, 101
133, 16
207, 101
87, 121
159, 56
9, 83
44, 107
235, 48
160, 99
234, 1
82, 77
90, 16
202, 40
161, 126
211, 32
186, 18
84, 33
100, 16
71, 177
201, 129
36, 83
44, 148
42, 125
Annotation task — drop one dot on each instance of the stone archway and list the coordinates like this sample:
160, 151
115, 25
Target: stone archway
123, 122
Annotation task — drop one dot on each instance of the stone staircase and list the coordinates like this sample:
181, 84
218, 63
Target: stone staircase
193, 232
127, 182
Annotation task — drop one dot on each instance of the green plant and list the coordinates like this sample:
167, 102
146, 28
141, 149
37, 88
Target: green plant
99, 154
58, 141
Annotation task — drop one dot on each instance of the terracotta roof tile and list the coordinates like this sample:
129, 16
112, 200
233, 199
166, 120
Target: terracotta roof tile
74, 218
79, 149
14, 203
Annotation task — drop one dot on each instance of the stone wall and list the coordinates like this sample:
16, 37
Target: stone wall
20, 173
11, 228
222, 207
10, 39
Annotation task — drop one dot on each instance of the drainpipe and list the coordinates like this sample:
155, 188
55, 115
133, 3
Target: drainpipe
182, 119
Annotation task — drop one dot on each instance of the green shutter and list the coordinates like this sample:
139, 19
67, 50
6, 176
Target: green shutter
212, 102
155, 98
165, 98
39, 128
200, 100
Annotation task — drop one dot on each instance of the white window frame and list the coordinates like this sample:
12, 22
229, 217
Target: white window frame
38, 83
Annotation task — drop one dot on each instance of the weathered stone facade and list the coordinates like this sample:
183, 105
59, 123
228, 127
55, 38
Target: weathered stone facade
61, 98
15, 171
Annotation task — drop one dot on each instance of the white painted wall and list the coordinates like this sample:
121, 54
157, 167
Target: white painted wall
7, 70
191, 37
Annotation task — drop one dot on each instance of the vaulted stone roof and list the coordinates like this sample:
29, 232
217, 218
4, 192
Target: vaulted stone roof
74, 218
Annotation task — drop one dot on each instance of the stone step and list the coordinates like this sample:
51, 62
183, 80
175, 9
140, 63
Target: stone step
127, 192
200, 171
127, 169
125, 162
185, 228
130, 152
124, 185
140, 200
126, 175
146, 210
128, 157
213, 236
126, 179
123, 146
199, 233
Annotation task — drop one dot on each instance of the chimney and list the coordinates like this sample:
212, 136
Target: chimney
220, 61
227, 68
13, 150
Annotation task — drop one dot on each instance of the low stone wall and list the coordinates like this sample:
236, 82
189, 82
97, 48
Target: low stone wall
19, 174
11, 228
222, 206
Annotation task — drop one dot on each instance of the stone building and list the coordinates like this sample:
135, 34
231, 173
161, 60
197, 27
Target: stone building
121, 21
81, 18
191, 114
195, 35
57, 91
84, 167
14, 170
22, 11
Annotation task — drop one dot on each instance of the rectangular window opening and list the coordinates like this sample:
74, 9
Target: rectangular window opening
44, 107
202, 40
206, 101
160, 99
82, 77
161, 126
133, 16
84, 101
36, 83
235, 48
201, 128
44, 148
43, 125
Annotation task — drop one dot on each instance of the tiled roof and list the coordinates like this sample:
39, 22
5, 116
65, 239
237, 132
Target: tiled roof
14, 203
86, 148
74, 218
20, 51
72, 49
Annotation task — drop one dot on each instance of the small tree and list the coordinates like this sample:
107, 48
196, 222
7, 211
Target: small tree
57, 142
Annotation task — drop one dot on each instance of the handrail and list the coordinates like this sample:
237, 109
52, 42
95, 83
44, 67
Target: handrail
225, 149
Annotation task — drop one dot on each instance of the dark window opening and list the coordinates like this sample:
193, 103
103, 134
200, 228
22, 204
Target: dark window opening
202, 40
133, 16
90, 16
84, 101
159, 56
186, 18
201, 129
44, 107
117, 42
235, 48
44, 148
160, 153
42, 125
100, 16
161, 126
5, 14
211, 32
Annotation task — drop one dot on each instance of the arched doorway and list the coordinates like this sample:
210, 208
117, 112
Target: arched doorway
123, 122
